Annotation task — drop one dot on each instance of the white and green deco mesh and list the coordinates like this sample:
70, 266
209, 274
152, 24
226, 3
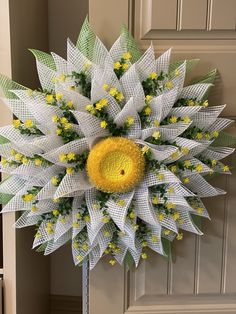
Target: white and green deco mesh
113, 153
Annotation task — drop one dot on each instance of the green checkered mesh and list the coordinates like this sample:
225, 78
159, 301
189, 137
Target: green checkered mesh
6, 84
86, 40
3, 140
131, 45
44, 58
225, 139
5, 198
210, 77
190, 65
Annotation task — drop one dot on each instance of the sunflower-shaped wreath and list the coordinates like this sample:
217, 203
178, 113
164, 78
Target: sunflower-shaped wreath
111, 152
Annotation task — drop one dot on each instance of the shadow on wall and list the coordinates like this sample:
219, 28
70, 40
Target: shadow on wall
65, 19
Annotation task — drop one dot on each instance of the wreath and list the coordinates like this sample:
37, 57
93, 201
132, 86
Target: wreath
112, 153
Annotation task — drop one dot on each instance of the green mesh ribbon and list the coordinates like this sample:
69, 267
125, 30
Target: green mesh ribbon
225, 139
190, 65
3, 140
7, 84
86, 40
44, 58
5, 198
131, 44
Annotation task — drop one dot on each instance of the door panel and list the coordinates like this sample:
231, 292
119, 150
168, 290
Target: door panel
202, 279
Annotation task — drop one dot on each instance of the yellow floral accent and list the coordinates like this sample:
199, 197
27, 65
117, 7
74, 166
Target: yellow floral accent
55, 212
18, 156
176, 216
58, 131
156, 135
119, 96
199, 210
199, 135
130, 121
16, 123
155, 200
13, 152
70, 104
86, 218
113, 91
169, 85
87, 65
156, 123
161, 217
96, 206
75, 224
38, 162
3, 161
56, 200
214, 162
127, 55
62, 78
170, 205
117, 65
55, 119
173, 169
147, 110
69, 170
186, 119
121, 203
34, 209
186, 180
105, 86
154, 239
125, 66
54, 180
148, 98
179, 236
78, 216
226, 168
175, 155
185, 150
106, 219
173, 119
177, 72
79, 258
71, 156
153, 75
145, 149
160, 176
72, 88
103, 124
29, 92
62, 157
144, 255
89, 108
132, 215
215, 134
167, 232
49, 99
85, 247
115, 165
198, 168
67, 126
28, 197
28, 124
205, 104
101, 104
63, 120
59, 96
25, 161
112, 262
191, 103
171, 190
187, 163
106, 234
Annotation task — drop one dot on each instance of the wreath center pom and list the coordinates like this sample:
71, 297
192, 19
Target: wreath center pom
115, 165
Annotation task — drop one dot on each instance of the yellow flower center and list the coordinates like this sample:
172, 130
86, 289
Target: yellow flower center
115, 165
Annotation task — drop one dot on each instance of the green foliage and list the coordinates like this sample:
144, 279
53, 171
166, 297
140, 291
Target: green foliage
128, 260
82, 82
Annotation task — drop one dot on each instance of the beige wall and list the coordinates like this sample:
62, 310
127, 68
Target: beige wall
64, 20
